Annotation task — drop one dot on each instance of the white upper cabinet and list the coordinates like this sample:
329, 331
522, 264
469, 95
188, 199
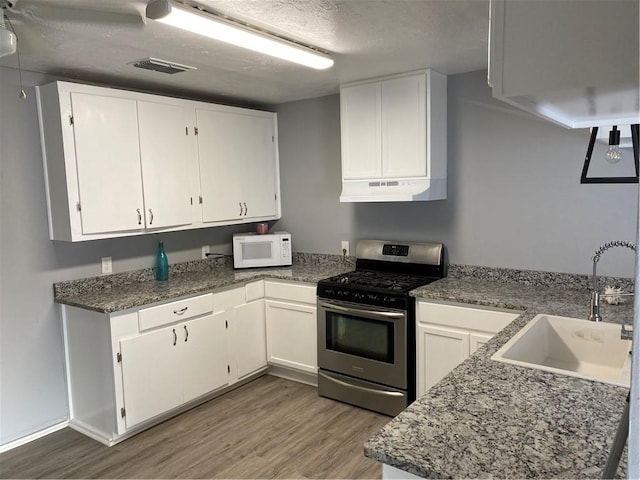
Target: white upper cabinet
238, 164
394, 137
403, 102
108, 163
121, 163
360, 125
166, 148
574, 63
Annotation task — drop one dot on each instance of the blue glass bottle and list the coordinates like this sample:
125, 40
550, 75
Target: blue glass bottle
162, 264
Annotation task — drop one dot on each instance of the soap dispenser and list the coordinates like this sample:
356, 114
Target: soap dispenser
162, 264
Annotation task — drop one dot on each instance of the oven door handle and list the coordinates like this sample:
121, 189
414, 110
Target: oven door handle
356, 311
358, 387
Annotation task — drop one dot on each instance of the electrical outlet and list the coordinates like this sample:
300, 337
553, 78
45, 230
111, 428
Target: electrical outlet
345, 247
106, 265
205, 250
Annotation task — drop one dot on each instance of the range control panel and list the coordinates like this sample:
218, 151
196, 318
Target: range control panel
395, 250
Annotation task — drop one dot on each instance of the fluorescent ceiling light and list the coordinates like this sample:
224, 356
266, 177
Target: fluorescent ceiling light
209, 25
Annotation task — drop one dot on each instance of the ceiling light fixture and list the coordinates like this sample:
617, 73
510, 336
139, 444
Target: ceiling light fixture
8, 39
613, 155
614, 140
210, 25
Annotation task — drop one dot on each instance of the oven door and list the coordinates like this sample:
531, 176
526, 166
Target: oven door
362, 341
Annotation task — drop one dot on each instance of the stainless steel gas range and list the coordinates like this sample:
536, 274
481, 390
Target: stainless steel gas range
366, 324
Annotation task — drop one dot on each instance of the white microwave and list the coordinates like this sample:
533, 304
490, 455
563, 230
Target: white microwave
252, 250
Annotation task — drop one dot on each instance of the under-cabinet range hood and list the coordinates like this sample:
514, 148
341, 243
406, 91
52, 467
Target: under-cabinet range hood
393, 190
393, 133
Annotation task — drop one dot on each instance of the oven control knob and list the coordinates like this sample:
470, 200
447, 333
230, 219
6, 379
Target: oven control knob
387, 300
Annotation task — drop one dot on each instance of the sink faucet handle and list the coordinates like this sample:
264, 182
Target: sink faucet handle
594, 316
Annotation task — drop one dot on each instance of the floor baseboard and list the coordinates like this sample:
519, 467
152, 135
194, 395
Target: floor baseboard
34, 436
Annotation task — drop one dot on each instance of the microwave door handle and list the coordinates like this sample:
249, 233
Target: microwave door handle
355, 311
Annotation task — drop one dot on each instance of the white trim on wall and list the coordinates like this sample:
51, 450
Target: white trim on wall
34, 436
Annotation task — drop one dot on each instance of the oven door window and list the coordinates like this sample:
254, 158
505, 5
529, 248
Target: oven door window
362, 337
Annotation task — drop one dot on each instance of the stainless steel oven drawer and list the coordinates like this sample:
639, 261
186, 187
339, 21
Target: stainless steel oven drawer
372, 396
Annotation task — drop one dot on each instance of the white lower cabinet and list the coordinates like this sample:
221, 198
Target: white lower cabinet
447, 333
251, 338
291, 325
165, 368
130, 369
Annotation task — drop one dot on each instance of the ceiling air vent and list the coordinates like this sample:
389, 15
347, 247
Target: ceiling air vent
163, 66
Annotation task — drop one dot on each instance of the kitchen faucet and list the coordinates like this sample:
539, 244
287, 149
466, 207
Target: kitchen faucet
595, 294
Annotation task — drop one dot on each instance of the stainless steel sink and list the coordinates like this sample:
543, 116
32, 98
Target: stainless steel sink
571, 346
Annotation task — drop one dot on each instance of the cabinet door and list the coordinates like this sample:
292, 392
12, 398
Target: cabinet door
251, 338
403, 120
360, 131
291, 335
165, 152
151, 374
220, 151
204, 362
476, 340
259, 168
108, 163
440, 350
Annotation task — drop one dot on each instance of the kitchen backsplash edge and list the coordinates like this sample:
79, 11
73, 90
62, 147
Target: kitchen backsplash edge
566, 281
81, 286
572, 281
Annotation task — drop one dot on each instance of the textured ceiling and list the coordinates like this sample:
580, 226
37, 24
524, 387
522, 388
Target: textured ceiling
97, 40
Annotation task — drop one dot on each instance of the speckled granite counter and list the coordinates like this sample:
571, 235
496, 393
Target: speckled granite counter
488, 419
133, 289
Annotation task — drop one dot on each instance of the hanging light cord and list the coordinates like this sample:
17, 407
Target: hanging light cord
22, 94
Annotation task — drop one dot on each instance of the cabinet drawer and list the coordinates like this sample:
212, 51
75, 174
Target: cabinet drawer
174, 311
463, 316
294, 292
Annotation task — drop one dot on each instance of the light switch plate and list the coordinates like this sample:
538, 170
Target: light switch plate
106, 265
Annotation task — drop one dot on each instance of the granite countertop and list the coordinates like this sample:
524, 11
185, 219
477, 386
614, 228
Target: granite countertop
122, 291
491, 419
486, 418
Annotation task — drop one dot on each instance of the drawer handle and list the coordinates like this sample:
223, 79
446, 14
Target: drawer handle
186, 333
181, 311
175, 337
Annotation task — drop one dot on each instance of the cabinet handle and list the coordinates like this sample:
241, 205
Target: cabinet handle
245, 209
139, 216
186, 333
181, 311
151, 217
175, 337
239, 203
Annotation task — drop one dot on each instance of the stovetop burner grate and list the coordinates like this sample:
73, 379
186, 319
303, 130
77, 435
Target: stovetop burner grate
396, 282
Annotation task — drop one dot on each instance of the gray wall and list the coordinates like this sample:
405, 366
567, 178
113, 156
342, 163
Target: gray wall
514, 201
32, 386
514, 197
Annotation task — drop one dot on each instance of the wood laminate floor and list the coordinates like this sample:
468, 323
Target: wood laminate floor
269, 428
